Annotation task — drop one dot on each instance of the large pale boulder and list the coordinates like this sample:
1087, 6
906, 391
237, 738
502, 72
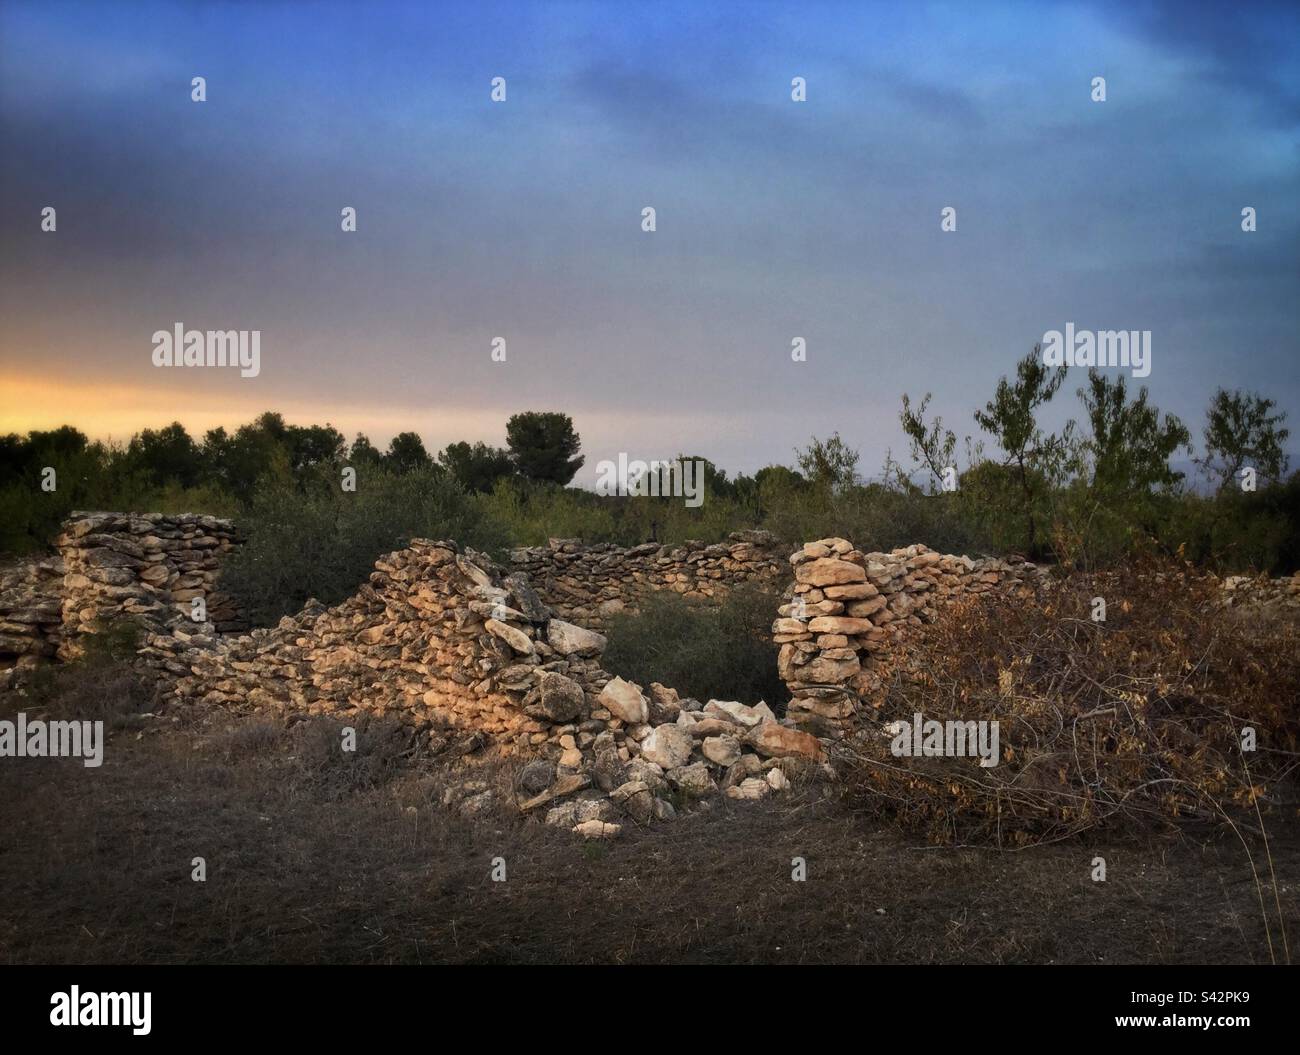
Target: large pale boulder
624, 700
840, 624
778, 741
740, 713
570, 640
512, 636
669, 746
710, 726
751, 788
474, 573
777, 780
829, 571
823, 547
723, 750
594, 829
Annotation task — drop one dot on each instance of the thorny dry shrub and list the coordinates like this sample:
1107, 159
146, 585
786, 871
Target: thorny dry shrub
1133, 721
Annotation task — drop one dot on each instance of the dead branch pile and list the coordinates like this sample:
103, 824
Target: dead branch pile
1145, 717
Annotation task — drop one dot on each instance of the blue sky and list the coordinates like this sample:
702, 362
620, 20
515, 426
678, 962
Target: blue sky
776, 219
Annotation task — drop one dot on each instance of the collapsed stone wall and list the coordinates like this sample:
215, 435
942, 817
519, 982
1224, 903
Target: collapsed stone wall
473, 655
589, 584
847, 610
448, 643
431, 637
150, 566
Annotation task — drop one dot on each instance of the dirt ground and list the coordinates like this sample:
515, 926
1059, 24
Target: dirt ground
313, 859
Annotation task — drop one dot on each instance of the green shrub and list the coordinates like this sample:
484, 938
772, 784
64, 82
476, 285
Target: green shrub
876, 517
722, 651
323, 542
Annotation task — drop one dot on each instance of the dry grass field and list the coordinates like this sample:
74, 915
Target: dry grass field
312, 858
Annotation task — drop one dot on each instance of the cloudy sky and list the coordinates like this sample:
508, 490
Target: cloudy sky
522, 219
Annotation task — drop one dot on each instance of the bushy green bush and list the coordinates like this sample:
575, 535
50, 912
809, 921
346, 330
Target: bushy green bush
528, 514
1239, 532
86, 476
1084, 500
876, 517
322, 541
704, 651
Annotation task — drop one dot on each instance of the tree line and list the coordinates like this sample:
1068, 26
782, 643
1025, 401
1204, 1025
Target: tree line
1102, 487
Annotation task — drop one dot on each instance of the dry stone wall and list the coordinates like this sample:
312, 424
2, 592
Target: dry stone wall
31, 611
432, 637
847, 610
590, 583
148, 567
481, 660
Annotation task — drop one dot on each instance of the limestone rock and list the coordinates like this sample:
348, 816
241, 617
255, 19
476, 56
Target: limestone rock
637, 799
722, 750
778, 741
751, 788
536, 776
565, 785
694, 779
829, 571
777, 780
624, 700
598, 830
562, 698
512, 636
668, 746
570, 640
739, 712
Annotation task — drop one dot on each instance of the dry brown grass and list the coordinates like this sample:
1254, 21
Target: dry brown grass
311, 862
1130, 722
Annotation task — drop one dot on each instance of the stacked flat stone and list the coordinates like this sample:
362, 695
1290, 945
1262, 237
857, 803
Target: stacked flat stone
848, 609
31, 611
145, 567
590, 583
